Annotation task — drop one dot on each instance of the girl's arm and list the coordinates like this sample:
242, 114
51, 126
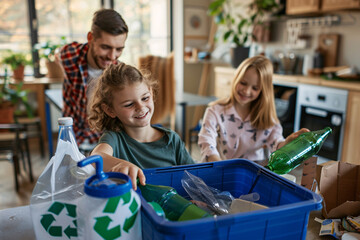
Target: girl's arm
208, 137
114, 164
291, 137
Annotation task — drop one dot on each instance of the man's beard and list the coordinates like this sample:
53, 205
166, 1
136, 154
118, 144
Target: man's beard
95, 58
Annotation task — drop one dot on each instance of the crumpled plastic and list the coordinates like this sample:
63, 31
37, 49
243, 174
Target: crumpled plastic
209, 198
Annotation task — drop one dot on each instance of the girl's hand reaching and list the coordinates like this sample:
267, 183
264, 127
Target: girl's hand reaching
113, 164
292, 136
131, 170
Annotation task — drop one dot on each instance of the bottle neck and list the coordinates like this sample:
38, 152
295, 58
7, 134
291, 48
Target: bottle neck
66, 133
167, 196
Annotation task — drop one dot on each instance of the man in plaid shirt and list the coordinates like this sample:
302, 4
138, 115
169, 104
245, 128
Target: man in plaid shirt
84, 63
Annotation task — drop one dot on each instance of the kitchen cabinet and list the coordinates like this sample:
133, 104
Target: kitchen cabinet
294, 7
351, 150
332, 5
223, 79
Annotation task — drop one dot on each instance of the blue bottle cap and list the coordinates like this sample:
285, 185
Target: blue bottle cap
105, 185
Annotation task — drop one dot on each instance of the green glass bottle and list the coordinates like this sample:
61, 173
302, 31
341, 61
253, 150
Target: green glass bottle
294, 153
176, 207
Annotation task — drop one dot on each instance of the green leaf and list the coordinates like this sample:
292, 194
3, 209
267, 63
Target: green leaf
236, 40
241, 25
216, 5
227, 35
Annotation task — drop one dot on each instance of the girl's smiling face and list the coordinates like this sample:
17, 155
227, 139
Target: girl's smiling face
133, 105
248, 89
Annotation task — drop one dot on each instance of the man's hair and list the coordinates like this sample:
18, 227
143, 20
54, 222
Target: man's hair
108, 20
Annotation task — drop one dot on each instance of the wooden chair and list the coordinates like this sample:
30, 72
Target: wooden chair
13, 142
193, 135
162, 69
33, 130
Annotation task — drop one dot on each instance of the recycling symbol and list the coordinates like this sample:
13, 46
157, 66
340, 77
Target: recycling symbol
57, 231
102, 223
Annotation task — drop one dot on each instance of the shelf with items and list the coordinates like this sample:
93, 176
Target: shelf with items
305, 7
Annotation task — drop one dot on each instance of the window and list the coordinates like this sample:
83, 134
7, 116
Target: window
148, 21
14, 27
69, 18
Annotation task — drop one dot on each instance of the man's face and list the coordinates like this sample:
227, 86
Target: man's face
105, 49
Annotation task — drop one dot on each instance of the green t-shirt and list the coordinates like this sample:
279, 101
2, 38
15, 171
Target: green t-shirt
167, 151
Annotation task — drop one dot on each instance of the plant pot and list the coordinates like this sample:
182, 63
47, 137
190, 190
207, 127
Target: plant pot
7, 110
238, 54
54, 70
18, 73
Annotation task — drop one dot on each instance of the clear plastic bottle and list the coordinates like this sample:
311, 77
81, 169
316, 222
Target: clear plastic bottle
66, 134
176, 207
59, 189
294, 153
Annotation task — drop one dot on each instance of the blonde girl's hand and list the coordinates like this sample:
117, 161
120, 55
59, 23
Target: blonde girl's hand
131, 170
292, 137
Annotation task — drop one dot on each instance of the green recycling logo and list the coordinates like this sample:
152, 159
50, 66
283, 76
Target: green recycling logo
54, 211
102, 223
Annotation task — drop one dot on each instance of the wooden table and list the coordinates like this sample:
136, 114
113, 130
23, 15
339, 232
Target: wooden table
38, 85
190, 99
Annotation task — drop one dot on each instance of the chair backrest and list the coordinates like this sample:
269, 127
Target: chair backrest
9, 135
162, 69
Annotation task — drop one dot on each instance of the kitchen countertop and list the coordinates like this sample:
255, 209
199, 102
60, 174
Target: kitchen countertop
301, 79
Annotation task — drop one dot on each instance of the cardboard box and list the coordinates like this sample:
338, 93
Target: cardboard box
240, 205
339, 184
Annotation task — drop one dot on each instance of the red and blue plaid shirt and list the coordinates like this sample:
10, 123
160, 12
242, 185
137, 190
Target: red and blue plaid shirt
73, 58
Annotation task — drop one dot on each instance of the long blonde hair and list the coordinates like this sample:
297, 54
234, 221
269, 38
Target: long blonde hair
262, 110
115, 77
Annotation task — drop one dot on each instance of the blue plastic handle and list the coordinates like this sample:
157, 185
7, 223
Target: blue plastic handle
97, 159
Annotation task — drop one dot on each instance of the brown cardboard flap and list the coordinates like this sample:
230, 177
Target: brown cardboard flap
309, 173
319, 169
350, 208
340, 188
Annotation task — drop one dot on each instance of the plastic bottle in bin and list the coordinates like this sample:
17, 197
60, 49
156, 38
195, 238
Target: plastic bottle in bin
297, 151
176, 207
111, 208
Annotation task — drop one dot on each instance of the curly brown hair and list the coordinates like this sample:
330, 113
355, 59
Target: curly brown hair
114, 78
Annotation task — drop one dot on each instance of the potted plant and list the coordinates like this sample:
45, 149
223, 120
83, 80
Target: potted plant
237, 22
48, 51
17, 62
10, 98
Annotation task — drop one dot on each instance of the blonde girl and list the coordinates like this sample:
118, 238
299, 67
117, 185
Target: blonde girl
245, 124
122, 106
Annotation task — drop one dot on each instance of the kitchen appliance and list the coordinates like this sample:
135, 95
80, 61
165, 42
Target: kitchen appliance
318, 107
287, 63
329, 45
